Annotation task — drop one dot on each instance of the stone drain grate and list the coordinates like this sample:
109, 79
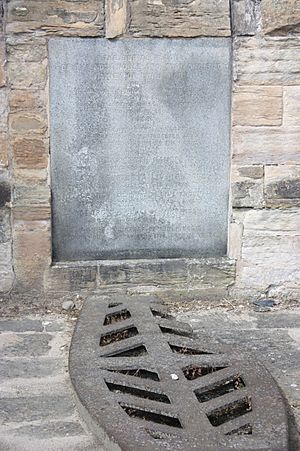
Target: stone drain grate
148, 382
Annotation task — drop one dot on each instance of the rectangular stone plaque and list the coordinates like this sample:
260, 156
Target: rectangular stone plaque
140, 133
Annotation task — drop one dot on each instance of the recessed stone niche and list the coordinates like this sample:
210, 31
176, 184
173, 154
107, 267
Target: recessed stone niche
140, 139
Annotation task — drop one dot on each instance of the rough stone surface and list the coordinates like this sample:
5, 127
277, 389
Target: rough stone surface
116, 12
245, 17
266, 145
271, 243
291, 105
67, 18
180, 19
257, 105
267, 61
280, 17
163, 152
247, 186
282, 186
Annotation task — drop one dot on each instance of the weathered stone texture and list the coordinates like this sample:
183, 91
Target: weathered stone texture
2, 63
27, 100
291, 106
3, 110
247, 186
3, 150
183, 18
115, 17
60, 17
271, 249
32, 253
267, 61
245, 17
6, 272
266, 145
280, 17
257, 105
30, 153
282, 186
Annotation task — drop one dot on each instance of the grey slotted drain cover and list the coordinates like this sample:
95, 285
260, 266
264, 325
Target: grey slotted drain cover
150, 383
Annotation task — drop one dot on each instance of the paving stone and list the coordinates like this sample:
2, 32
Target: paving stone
278, 321
25, 345
23, 325
50, 429
15, 410
20, 368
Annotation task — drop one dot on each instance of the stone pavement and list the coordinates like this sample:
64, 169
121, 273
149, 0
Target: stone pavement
38, 409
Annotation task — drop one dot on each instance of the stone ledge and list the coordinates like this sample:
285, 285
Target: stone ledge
207, 274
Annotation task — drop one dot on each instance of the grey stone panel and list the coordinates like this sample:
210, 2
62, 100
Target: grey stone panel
139, 147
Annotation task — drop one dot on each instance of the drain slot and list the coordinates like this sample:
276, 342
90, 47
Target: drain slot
193, 372
159, 314
243, 430
169, 330
118, 335
230, 411
131, 352
134, 391
144, 374
114, 304
235, 383
116, 317
151, 416
187, 351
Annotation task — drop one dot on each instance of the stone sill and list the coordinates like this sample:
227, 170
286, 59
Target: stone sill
178, 273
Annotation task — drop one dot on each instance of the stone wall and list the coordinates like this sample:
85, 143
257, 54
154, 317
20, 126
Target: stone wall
264, 238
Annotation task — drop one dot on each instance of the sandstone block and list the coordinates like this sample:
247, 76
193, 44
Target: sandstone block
2, 63
31, 51
23, 177
282, 186
23, 100
115, 17
5, 229
267, 61
271, 249
245, 17
69, 278
3, 150
3, 110
235, 239
27, 75
31, 195
6, 272
291, 105
266, 145
27, 123
280, 17
59, 17
247, 186
257, 105
186, 19
30, 153
32, 253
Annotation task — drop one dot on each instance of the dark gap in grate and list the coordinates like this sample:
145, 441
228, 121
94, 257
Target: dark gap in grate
230, 411
161, 314
132, 352
159, 435
144, 374
235, 383
114, 304
243, 430
116, 317
170, 330
193, 371
187, 351
159, 418
118, 335
134, 391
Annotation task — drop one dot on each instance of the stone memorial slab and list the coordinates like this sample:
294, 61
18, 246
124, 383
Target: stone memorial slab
140, 138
